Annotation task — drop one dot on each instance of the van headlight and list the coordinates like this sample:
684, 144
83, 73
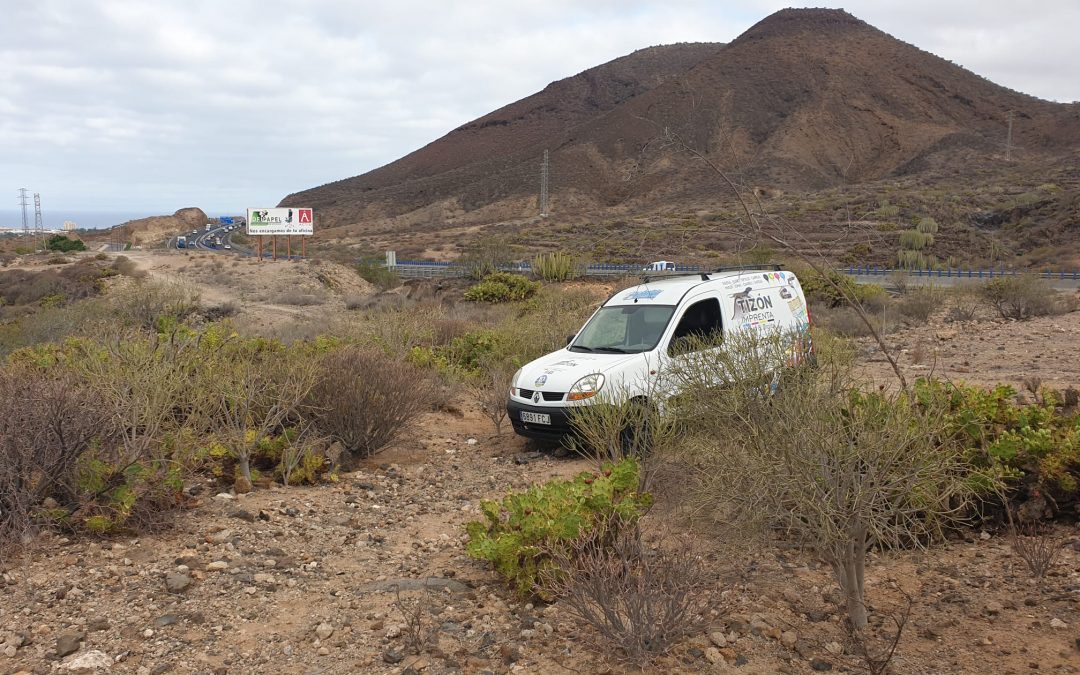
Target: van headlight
586, 387
513, 382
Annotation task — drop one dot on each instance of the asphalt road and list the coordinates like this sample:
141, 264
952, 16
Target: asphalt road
204, 239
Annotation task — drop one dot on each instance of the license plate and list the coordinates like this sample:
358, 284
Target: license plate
535, 418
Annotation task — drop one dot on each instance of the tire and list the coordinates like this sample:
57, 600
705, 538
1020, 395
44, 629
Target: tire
635, 440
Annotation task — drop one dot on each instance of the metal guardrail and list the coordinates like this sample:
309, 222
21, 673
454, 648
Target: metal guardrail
416, 269
991, 273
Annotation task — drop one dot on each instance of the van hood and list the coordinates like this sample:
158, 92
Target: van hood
558, 371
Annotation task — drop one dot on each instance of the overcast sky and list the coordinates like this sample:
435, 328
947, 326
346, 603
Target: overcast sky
153, 105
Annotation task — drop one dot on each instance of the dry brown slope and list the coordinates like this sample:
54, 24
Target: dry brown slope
804, 99
496, 146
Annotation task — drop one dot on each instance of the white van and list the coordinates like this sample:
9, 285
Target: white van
635, 335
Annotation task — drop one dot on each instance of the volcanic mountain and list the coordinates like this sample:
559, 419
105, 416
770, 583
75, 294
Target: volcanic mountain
805, 99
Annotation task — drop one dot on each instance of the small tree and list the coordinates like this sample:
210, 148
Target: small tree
49, 421
802, 450
490, 388
252, 389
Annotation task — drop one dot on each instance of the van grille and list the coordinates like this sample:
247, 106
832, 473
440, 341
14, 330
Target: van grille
547, 395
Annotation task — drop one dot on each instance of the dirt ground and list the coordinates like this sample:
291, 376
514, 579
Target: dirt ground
301, 580
271, 297
987, 351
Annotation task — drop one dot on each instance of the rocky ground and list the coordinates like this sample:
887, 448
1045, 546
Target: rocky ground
334, 578
302, 580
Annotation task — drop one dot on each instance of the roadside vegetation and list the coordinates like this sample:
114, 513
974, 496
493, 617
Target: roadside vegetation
137, 393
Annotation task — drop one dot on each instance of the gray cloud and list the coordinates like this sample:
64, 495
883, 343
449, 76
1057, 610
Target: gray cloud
154, 105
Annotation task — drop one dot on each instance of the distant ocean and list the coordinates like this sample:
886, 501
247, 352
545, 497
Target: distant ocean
96, 220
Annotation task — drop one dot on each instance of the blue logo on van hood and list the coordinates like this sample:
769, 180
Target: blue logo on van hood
641, 295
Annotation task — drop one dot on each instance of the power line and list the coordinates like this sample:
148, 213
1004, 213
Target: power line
24, 202
1008, 139
544, 186
39, 226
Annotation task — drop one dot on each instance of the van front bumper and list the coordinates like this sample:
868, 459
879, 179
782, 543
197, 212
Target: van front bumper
559, 428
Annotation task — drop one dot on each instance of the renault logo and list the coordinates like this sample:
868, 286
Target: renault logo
536, 397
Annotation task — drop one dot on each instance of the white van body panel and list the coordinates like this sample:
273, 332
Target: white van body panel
764, 301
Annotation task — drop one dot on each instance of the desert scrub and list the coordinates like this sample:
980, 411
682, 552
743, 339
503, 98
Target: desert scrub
1025, 297
378, 274
502, 287
523, 534
834, 289
1034, 449
557, 266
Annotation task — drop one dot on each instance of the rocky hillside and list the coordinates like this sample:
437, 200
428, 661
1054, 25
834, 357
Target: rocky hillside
156, 229
804, 100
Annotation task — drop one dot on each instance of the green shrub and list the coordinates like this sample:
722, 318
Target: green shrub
915, 240
1035, 448
836, 289
502, 287
912, 260
927, 226
378, 274
464, 356
59, 242
521, 535
556, 266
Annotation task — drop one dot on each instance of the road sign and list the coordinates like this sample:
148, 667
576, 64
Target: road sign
287, 221
225, 220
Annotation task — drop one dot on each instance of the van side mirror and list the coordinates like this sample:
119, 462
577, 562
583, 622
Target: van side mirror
569, 339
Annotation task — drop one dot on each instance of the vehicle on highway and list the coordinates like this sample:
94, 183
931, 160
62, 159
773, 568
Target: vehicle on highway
181, 242
228, 247
659, 266
641, 333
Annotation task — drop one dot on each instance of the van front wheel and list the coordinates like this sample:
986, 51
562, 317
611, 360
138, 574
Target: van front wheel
635, 439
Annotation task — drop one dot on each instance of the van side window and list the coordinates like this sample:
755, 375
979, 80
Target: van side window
700, 321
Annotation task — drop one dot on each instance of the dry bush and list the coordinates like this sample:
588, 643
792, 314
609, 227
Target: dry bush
1037, 546
1025, 297
418, 614
843, 321
962, 309
920, 304
124, 265
619, 425
803, 452
147, 304
142, 382
364, 399
355, 302
222, 311
490, 389
300, 299
49, 422
877, 650
639, 601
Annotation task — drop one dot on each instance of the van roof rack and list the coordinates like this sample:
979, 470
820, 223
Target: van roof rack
776, 267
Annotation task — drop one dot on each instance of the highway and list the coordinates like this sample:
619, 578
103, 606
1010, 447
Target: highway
204, 239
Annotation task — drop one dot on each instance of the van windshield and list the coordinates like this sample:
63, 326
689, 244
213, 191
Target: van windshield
627, 329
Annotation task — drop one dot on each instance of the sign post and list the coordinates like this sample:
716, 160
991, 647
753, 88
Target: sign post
282, 221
